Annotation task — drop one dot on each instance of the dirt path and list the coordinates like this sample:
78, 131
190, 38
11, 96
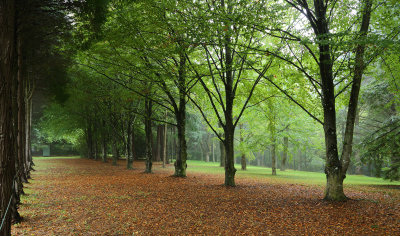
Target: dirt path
85, 197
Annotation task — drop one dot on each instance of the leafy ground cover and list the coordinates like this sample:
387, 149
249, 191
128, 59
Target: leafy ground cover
72, 196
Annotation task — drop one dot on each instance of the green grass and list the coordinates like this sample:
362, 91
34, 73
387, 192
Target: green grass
55, 157
289, 176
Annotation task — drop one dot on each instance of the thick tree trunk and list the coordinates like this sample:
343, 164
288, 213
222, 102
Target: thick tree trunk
230, 164
180, 163
149, 137
333, 167
180, 114
285, 152
8, 69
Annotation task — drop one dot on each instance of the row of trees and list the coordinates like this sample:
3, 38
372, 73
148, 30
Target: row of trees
223, 57
216, 54
31, 34
240, 65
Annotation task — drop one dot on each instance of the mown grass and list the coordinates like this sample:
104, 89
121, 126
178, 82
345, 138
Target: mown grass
289, 176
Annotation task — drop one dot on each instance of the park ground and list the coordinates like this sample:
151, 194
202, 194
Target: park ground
73, 196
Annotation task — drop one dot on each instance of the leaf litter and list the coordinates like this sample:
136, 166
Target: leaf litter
87, 197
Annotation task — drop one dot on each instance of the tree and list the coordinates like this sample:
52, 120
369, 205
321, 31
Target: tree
223, 73
8, 76
325, 60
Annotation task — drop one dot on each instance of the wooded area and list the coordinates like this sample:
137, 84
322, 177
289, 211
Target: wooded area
292, 84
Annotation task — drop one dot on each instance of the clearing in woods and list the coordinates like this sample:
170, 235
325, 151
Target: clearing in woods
71, 196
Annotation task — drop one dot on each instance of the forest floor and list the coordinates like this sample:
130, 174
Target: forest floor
87, 197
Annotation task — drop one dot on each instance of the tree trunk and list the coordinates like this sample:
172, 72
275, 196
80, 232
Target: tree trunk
222, 154
206, 145
129, 156
89, 139
165, 144
285, 152
8, 66
213, 150
104, 141
149, 136
273, 157
114, 151
180, 114
180, 163
243, 160
355, 89
133, 145
229, 164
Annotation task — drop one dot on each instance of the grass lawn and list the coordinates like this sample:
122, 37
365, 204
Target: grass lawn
288, 176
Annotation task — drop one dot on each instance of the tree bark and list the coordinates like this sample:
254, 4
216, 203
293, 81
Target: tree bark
285, 153
243, 159
273, 157
180, 163
129, 157
104, 141
114, 151
8, 70
180, 114
149, 136
355, 89
164, 158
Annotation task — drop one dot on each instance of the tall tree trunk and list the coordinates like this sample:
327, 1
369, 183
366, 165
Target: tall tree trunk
273, 157
272, 130
335, 169
222, 153
230, 169
285, 152
165, 143
133, 144
149, 136
104, 141
180, 163
243, 160
21, 118
229, 127
114, 151
158, 156
180, 114
129, 156
8, 70
90, 139
213, 150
